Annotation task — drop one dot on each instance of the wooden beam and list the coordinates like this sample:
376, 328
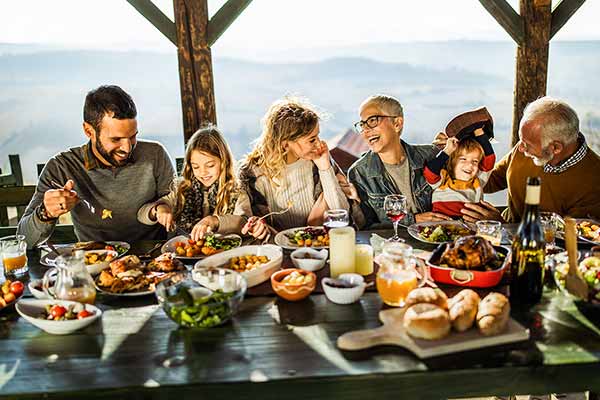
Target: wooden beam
563, 11
507, 17
219, 23
156, 17
195, 65
532, 58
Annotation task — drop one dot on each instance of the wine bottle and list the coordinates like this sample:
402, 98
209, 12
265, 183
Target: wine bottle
528, 251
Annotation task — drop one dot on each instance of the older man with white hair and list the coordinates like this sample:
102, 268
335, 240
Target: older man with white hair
551, 147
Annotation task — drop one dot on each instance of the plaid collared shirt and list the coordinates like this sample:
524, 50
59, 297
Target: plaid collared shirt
571, 161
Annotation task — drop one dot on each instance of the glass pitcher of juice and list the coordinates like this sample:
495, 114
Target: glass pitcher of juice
398, 274
73, 280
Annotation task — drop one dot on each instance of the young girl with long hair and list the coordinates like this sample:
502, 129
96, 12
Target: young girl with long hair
205, 198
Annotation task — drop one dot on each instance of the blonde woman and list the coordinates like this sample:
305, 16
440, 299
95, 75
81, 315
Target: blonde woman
290, 169
207, 198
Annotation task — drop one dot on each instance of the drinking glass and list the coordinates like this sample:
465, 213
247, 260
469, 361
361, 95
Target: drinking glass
550, 225
341, 250
14, 255
398, 276
336, 218
395, 209
364, 259
490, 230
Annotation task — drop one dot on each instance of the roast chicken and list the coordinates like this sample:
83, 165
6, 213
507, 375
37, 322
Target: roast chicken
469, 252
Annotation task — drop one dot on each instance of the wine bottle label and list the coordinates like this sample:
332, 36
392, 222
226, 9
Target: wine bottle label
533, 195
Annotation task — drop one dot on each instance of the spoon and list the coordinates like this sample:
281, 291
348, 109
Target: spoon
574, 282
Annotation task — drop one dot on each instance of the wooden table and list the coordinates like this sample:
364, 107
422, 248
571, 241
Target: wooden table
275, 349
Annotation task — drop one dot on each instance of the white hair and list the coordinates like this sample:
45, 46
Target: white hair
385, 103
558, 120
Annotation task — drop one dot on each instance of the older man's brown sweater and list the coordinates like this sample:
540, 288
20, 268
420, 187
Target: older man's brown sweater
575, 192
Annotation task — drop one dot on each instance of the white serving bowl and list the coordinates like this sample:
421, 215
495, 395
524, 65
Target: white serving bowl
96, 268
37, 293
29, 309
255, 276
344, 295
318, 260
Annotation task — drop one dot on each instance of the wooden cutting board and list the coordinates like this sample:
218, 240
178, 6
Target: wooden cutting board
392, 333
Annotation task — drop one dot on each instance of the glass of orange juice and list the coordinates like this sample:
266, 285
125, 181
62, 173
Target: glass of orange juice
397, 275
14, 255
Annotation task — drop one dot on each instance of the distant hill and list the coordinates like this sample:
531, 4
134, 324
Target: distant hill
43, 89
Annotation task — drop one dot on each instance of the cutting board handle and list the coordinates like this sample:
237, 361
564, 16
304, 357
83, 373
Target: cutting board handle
359, 340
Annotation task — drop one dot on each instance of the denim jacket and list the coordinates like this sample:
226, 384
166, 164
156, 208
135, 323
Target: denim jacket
373, 182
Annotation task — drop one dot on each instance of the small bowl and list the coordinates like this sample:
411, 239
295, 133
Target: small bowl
35, 287
344, 295
318, 260
97, 267
292, 292
29, 309
184, 300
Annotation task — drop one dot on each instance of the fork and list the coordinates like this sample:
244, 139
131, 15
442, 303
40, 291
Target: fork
90, 207
289, 206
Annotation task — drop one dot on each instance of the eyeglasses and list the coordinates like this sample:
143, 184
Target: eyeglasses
371, 122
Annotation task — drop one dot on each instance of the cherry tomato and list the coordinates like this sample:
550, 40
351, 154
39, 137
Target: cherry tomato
109, 247
83, 313
16, 288
57, 311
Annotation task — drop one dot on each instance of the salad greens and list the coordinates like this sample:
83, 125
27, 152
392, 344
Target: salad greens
224, 243
203, 312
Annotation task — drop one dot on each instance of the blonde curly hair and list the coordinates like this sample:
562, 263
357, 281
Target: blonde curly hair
209, 140
287, 119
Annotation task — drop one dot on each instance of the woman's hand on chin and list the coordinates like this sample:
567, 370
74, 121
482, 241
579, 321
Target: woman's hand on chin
322, 161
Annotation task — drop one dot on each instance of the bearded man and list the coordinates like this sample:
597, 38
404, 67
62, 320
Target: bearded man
104, 182
551, 147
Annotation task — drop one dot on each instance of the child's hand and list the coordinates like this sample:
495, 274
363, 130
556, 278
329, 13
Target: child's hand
451, 145
205, 226
164, 216
256, 228
322, 161
479, 132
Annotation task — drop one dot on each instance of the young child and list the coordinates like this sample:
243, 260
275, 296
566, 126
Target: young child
459, 172
206, 199
290, 171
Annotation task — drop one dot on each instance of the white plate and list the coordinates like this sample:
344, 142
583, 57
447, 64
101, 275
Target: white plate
169, 246
255, 276
125, 294
29, 309
580, 239
413, 230
49, 259
281, 239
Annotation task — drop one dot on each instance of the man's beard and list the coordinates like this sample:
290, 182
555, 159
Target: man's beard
541, 161
109, 156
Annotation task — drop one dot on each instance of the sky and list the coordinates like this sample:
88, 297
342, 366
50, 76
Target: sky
269, 24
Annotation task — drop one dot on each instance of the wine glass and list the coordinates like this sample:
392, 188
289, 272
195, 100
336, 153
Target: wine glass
395, 209
336, 218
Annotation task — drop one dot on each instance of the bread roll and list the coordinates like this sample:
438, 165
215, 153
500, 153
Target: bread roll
427, 295
462, 309
426, 321
493, 314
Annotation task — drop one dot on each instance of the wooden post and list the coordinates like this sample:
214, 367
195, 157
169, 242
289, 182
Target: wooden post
195, 65
532, 58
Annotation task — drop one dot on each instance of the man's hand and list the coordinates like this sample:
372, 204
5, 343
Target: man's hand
164, 216
322, 161
473, 212
205, 226
431, 216
256, 228
440, 140
451, 145
60, 201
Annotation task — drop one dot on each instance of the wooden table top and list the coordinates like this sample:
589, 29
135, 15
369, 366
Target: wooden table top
274, 348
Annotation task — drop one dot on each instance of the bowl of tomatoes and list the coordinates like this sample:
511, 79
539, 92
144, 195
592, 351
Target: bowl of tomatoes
187, 248
10, 292
58, 317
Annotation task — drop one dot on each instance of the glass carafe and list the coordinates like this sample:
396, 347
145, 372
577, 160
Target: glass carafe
398, 273
73, 280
